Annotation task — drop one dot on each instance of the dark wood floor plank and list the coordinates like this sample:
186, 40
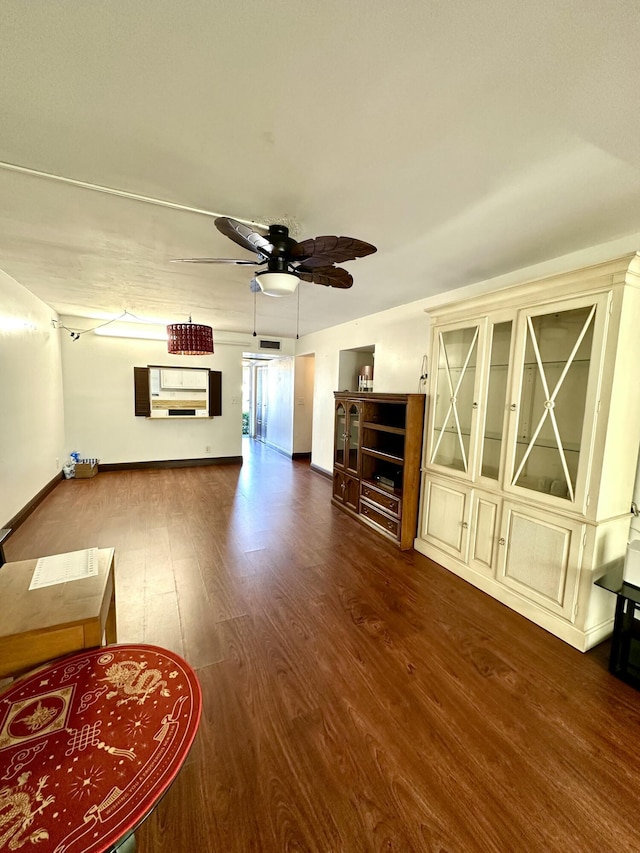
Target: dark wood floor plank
356, 698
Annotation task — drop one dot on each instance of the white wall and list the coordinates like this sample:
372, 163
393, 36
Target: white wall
98, 401
31, 412
400, 337
303, 404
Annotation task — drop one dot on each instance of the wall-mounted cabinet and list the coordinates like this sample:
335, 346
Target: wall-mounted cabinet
377, 447
532, 443
195, 378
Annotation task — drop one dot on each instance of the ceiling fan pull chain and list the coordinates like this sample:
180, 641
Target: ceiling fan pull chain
254, 313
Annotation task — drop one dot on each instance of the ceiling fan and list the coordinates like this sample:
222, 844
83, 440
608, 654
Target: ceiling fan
288, 262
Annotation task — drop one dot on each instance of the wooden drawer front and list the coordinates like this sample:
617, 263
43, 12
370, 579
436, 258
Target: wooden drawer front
390, 503
388, 524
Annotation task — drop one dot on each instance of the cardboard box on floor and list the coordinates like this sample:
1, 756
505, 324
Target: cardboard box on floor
86, 468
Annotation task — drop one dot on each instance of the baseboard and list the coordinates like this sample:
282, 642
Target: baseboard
26, 510
322, 471
170, 463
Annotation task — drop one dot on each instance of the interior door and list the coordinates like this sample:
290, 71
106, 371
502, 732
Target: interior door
261, 402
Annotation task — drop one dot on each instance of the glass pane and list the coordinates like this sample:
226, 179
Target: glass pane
339, 435
496, 399
454, 398
354, 427
552, 404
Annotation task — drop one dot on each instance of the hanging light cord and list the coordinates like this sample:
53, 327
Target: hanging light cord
298, 316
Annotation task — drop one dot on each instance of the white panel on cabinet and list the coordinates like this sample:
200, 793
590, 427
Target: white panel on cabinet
445, 518
484, 530
541, 556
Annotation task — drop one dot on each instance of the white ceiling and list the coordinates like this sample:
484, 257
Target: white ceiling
464, 139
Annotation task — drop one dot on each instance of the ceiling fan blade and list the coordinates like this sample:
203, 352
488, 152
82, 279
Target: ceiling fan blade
324, 251
215, 261
244, 236
327, 276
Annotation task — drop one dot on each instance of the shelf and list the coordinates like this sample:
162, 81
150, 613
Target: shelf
567, 448
527, 364
381, 487
384, 428
523, 442
378, 454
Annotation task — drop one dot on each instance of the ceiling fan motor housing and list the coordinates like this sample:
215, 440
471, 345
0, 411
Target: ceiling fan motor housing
282, 248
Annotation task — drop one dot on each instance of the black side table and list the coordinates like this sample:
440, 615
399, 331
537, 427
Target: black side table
624, 660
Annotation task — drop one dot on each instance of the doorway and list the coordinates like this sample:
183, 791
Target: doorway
261, 402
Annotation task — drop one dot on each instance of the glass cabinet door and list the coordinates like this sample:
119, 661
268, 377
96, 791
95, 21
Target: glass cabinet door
353, 439
340, 437
455, 407
496, 407
554, 388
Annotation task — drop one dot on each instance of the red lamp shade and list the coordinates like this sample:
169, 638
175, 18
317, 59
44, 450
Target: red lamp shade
189, 339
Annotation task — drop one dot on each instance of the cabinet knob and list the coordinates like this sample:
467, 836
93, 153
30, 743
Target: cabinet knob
513, 407
502, 541
474, 406
343, 486
464, 525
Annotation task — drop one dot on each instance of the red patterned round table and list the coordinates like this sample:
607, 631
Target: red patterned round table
89, 744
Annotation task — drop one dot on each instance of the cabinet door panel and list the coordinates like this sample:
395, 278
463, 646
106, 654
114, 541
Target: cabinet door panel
559, 354
484, 532
346, 490
445, 517
171, 378
352, 458
495, 409
452, 438
540, 558
340, 435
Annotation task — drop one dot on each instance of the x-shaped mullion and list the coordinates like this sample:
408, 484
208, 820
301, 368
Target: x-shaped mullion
549, 404
454, 397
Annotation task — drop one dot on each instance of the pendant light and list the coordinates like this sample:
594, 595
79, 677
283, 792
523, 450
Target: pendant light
189, 338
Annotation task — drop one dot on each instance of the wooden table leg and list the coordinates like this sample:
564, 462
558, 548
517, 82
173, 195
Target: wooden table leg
111, 631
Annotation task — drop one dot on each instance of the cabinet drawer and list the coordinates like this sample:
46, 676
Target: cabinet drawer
388, 524
390, 503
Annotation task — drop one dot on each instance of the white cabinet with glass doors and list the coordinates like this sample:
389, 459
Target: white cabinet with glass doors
532, 443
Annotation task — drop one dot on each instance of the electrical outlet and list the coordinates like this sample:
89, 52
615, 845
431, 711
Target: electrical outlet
57, 464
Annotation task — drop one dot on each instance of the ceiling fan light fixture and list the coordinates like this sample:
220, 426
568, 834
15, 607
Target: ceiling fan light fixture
189, 339
277, 283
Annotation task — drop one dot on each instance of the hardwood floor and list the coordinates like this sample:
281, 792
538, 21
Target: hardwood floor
355, 698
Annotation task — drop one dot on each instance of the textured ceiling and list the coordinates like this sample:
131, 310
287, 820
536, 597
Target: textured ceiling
464, 139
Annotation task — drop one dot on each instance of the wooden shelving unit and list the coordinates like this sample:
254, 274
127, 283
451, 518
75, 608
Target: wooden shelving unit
377, 452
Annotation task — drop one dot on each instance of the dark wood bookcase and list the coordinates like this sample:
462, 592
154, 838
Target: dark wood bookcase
376, 461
